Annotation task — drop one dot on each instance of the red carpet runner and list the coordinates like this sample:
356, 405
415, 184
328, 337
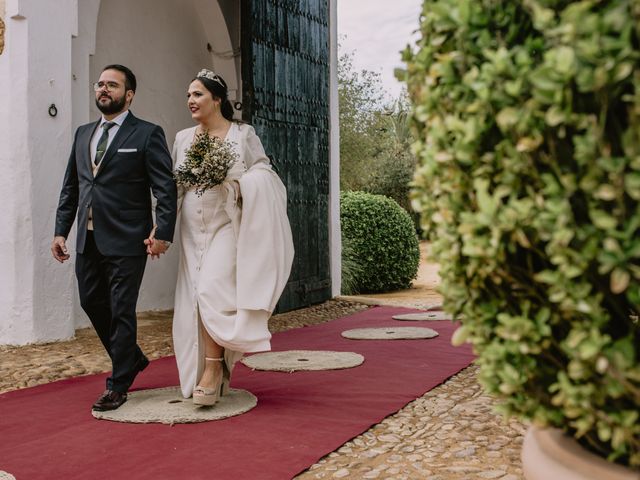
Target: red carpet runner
47, 432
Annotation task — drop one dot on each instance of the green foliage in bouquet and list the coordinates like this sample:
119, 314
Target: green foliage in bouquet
207, 163
383, 252
527, 119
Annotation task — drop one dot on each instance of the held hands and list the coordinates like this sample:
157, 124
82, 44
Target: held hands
155, 248
59, 249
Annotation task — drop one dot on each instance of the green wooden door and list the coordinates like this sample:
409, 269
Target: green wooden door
285, 81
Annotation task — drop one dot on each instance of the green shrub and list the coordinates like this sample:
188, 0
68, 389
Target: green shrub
352, 269
382, 240
527, 119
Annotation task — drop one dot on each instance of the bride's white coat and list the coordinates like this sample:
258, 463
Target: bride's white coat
234, 260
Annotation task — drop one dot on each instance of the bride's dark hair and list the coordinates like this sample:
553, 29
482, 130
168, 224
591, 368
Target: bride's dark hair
218, 89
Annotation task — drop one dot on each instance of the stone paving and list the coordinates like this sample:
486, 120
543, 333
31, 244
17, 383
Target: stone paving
450, 433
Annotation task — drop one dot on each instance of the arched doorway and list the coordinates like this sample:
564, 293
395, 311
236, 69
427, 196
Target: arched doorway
165, 43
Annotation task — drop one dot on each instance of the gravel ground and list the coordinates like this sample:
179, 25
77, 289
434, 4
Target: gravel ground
36, 364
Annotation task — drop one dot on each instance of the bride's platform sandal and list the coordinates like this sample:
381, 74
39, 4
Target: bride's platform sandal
209, 396
226, 378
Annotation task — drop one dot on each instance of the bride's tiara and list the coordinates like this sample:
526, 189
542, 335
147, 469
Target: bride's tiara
204, 73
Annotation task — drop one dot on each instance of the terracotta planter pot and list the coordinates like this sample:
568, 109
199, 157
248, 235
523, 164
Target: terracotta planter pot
549, 454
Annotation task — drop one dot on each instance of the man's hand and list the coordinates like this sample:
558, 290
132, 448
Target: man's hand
155, 248
59, 249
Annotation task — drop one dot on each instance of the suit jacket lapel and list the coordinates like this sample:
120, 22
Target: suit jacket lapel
126, 129
84, 145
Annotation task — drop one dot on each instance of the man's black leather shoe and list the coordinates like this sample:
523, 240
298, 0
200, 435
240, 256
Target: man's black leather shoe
109, 400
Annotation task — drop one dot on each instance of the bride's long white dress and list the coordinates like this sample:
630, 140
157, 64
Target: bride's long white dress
234, 260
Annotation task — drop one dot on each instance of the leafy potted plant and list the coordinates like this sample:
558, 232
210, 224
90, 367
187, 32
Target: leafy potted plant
526, 116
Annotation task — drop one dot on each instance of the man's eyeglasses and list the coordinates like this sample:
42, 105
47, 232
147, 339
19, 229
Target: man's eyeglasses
110, 86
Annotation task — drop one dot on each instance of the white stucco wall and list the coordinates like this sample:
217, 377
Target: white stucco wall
83, 44
35, 292
7, 253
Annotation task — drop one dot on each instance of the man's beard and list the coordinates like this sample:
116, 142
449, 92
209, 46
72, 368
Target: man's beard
114, 106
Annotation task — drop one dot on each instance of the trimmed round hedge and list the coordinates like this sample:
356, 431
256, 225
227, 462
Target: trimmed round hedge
382, 242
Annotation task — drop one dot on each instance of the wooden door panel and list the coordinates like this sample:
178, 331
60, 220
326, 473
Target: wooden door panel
285, 70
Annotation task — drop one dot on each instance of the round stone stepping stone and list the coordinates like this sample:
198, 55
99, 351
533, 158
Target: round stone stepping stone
167, 405
389, 333
422, 316
295, 360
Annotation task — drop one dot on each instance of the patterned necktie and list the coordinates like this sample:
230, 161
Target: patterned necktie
102, 143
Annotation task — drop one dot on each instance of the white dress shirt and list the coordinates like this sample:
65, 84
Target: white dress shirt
94, 145
112, 133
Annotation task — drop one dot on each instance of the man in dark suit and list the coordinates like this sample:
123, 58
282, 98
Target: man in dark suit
114, 164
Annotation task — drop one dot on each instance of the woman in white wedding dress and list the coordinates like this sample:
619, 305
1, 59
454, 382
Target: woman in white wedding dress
236, 253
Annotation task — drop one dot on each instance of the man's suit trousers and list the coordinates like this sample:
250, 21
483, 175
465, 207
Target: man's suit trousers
108, 288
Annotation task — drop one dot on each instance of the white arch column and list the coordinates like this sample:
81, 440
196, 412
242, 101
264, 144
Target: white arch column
35, 292
335, 239
224, 50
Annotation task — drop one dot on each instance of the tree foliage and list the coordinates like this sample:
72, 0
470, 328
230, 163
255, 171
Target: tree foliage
362, 133
392, 170
375, 139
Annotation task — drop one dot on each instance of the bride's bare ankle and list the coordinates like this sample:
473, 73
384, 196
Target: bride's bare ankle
210, 374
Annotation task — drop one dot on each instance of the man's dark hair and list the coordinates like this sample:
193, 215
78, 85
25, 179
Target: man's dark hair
130, 82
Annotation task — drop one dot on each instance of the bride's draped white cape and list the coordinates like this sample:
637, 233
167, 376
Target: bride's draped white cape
234, 260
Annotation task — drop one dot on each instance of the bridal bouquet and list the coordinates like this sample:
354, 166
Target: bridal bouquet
207, 163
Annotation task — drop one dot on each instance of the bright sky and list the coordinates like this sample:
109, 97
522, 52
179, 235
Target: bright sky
376, 31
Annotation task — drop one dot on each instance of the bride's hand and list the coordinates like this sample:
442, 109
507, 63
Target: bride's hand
237, 193
149, 243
